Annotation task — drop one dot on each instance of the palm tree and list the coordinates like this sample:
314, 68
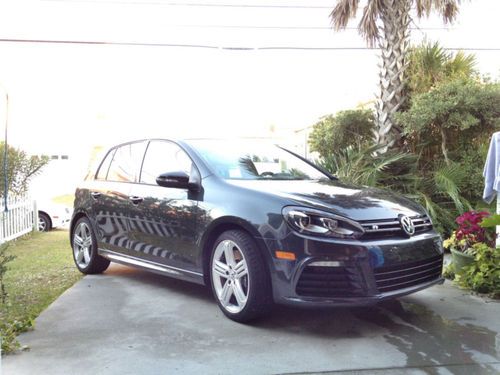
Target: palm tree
387, 22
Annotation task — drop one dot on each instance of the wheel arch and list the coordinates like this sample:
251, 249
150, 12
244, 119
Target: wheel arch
220, 226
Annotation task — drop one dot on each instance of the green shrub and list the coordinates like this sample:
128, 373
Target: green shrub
21, 168
10, 330
471, 159
334, 133
449, 272
449, 128
483, 275
453, 115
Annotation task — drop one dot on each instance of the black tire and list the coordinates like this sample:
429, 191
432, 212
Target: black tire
96, 263
44, 222
259, 291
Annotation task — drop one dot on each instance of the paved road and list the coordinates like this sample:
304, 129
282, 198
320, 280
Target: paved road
128, 321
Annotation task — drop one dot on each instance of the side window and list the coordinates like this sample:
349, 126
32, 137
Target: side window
102, 174
127, 162
162, 157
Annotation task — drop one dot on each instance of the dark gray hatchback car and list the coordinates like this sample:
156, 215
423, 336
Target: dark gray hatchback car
256, 223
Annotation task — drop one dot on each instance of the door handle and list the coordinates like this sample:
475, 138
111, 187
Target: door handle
135, 199
95, 194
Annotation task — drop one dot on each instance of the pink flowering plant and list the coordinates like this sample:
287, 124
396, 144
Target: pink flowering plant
475, 237
469, 232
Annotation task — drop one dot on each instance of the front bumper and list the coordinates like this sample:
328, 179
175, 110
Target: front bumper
354, 301
330, 272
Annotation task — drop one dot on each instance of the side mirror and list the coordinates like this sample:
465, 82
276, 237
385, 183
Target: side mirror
178, 179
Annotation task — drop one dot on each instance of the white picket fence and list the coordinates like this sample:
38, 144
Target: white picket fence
19, 219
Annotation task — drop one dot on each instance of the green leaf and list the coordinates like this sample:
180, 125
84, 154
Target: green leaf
489, 222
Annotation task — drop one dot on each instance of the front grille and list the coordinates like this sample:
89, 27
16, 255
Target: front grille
422, 223
406, 275
375, 229
319, 281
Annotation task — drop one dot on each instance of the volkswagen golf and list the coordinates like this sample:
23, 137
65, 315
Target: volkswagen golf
257, 224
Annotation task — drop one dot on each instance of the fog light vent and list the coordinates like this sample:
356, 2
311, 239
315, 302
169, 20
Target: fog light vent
326, 263
329, 279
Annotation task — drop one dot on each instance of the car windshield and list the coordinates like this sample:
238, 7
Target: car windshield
254, 161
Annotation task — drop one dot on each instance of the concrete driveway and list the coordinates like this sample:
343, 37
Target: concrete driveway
131, 322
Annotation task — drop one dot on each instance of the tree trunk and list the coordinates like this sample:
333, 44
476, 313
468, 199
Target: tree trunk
393, 43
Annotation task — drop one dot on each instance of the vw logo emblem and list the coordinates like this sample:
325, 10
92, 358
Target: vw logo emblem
407, 225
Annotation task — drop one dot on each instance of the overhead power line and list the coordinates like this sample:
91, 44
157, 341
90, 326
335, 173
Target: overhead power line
196, 4
271, 27
206, 46
180, 45
91, 42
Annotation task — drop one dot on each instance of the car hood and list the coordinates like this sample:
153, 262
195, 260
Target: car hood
358, 203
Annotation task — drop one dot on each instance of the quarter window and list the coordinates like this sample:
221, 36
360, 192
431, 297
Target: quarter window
162, 157
126, 162
104, 168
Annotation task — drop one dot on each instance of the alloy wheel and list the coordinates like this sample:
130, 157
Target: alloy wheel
82, 245
230, 276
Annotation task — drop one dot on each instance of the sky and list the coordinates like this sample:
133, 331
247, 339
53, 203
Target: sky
253, 67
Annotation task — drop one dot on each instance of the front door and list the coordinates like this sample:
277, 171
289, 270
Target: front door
163, 220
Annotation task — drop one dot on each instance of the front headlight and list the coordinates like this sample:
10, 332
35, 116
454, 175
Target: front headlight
316, 222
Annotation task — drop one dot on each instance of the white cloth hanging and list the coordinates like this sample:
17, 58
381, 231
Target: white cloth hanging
497, 241
491, 170
491, 175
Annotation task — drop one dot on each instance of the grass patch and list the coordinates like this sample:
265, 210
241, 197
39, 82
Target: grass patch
42, 270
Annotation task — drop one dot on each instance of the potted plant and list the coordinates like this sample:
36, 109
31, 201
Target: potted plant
469, 233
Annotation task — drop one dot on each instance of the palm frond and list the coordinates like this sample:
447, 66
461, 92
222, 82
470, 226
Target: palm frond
447, 8
381, 164
423, 8
448, 178
362, 164
368, 23
343, 12
433, 57
441, 217
427, 203
462, 65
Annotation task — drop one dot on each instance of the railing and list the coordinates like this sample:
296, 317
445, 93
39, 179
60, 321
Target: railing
19, 219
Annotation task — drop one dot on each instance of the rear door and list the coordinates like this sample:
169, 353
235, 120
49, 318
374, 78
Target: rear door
111, 195
163, 220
